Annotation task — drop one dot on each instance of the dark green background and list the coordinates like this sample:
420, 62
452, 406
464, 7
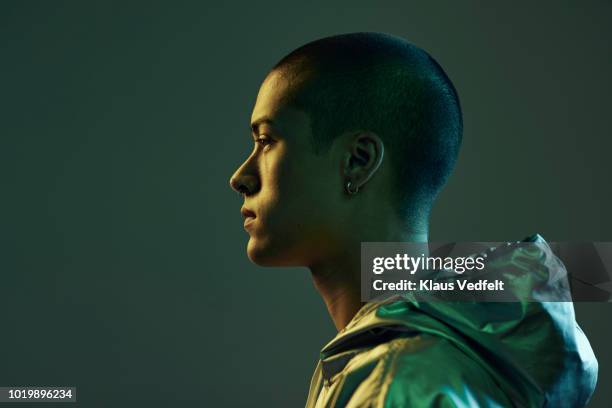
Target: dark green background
123, 259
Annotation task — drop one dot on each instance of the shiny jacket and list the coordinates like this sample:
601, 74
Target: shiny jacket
458, 354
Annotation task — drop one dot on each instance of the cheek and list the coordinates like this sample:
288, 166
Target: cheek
299, 192
292, 185
296, 215
273, 176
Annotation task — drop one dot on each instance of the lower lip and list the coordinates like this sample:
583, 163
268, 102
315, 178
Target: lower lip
248, 221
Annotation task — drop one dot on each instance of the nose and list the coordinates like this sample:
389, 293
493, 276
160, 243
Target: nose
245, 180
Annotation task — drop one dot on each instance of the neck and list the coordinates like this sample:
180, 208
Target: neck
338, 279
338, 284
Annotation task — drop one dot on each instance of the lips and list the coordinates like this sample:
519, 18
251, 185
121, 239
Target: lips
246, 213
249, 216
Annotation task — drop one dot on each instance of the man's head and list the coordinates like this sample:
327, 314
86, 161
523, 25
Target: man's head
367, 109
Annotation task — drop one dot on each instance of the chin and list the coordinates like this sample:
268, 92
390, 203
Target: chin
263, 253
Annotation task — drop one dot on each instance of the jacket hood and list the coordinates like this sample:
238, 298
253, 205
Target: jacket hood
535, 351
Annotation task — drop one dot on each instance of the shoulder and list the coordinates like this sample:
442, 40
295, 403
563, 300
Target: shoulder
426, 371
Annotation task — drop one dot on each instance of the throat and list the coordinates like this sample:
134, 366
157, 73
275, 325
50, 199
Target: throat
341, 294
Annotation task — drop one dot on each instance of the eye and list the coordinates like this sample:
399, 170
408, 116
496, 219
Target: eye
263, 140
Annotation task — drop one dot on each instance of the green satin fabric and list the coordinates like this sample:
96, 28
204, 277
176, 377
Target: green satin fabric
460, 354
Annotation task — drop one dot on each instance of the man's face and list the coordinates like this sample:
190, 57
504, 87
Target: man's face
292, 196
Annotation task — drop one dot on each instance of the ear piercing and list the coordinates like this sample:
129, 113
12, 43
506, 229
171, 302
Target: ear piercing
350, 189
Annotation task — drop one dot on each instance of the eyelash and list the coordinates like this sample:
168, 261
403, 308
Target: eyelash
263, 141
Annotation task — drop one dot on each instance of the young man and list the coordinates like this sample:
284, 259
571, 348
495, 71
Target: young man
355, 135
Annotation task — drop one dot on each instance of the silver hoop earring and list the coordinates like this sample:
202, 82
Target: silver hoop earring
349, 188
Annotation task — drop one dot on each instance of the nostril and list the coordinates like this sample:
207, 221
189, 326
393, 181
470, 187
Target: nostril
244, 185
242, 189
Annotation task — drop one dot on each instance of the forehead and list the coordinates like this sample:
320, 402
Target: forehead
274, 103
273, 96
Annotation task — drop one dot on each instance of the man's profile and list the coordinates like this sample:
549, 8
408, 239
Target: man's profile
355, 135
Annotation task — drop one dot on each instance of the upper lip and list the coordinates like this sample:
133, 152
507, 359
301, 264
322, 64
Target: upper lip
246, 213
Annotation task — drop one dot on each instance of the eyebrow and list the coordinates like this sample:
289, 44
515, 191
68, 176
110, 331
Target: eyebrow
256, 124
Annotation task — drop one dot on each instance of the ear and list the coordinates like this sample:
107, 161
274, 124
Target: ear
364, 157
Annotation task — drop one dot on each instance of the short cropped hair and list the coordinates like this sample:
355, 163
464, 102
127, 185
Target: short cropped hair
384, 84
